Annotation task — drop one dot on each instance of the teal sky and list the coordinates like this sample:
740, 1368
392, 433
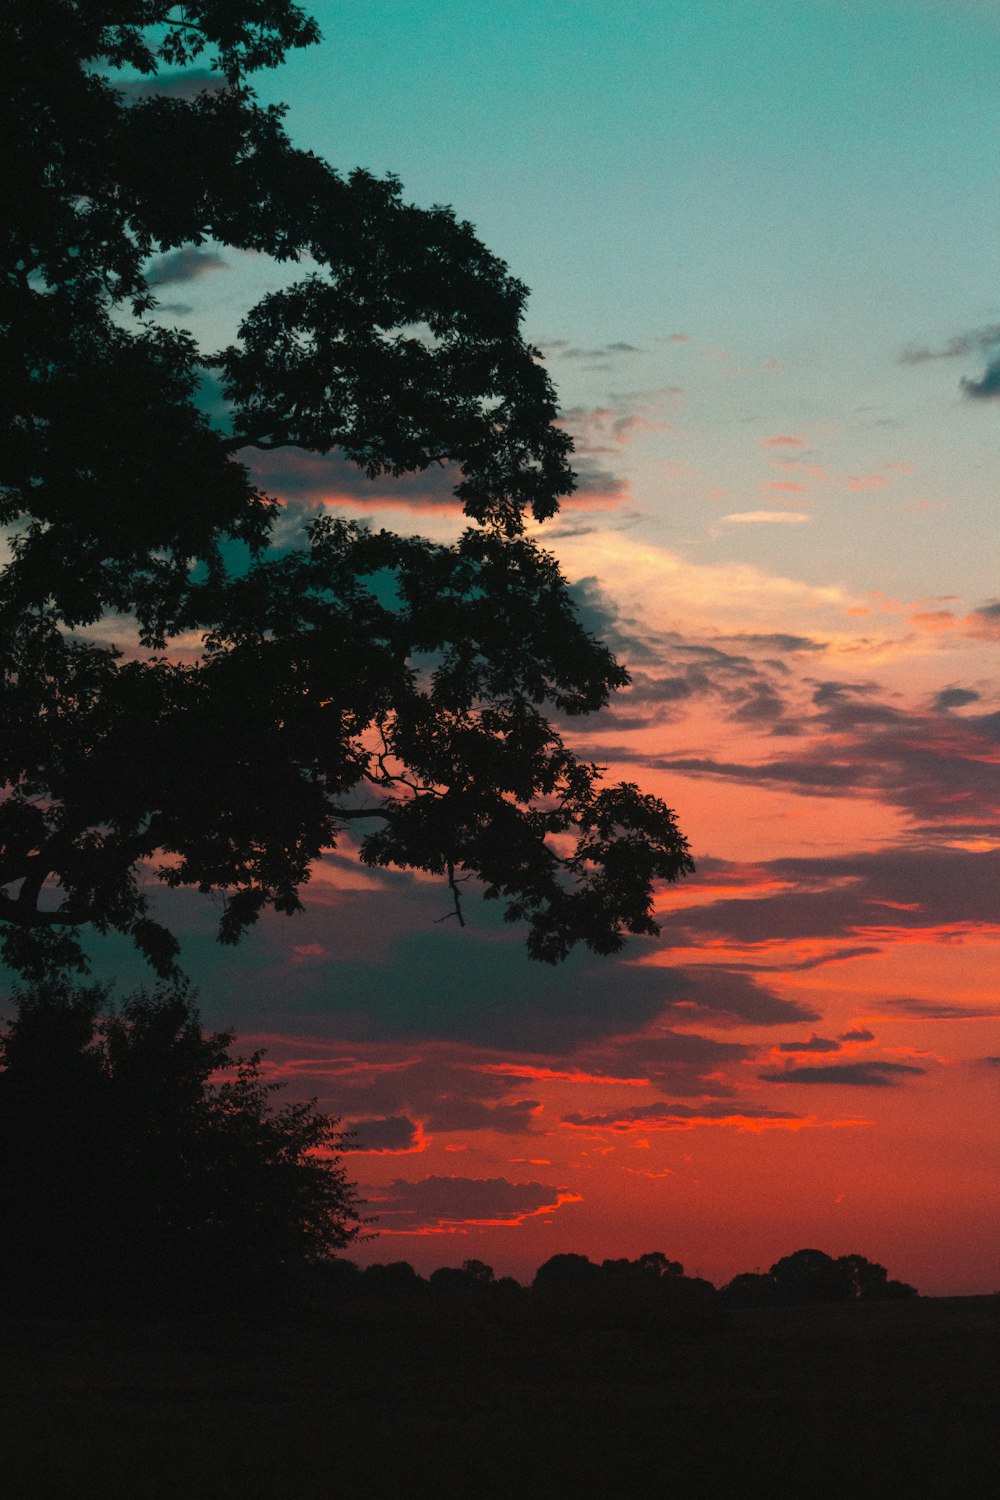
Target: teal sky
805, 188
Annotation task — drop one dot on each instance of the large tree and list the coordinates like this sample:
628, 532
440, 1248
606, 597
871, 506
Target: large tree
409, 691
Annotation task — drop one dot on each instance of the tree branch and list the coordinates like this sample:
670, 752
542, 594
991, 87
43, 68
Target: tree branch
11, 911
456, 895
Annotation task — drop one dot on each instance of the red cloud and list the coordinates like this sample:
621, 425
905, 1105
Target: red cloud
446, 1205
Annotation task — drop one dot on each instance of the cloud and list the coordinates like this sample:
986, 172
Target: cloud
962, 344
596, 485
936, 1010
190, 263
721, 996
937, 768
713, 598
984, 622
666, 1116
808, 776
764, 518
814, 1044
681, 1062
478, 987
608, 429
939, 892
329, 479
442, 1205
391, 1101
954, 697
779, 640
393, 1134
677, 1062
602, 351
987, 387
861, 1034
869, 1075
782, 440
753, 690
457, 1114
179, 85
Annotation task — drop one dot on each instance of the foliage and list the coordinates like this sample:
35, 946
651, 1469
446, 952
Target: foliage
141, 1166
652, 1291
651, 1269
150, 621
812, 1276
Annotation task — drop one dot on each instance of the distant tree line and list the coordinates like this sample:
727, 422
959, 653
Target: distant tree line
571, 1290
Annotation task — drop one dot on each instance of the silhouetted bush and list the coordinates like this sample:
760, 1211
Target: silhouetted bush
143, 1168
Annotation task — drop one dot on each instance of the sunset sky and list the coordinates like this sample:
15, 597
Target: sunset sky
761, 241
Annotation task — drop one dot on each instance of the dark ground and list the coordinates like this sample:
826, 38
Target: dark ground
886, 1399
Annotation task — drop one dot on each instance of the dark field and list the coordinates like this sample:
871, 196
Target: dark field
785, 1404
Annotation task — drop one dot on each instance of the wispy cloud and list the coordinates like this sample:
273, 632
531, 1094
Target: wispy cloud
764, 518
814, 1044
662, 1115
190, 263
936, 1010
868, 1075
962, 344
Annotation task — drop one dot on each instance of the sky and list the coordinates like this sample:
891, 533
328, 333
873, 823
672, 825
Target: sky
761, 241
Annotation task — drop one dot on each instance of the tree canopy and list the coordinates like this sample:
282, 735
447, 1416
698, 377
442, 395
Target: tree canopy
813, 1276
150, 621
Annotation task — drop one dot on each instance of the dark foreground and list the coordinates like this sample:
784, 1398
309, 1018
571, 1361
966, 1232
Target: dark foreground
784, 1404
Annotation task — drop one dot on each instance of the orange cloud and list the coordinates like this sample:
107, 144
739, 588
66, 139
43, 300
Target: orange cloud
529, 1071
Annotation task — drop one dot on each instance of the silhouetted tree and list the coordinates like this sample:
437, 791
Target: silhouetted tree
870, 1282
750, 1289
395, 1285
359, 680
812, 1276
141, 1166
479, 1271
653, 1266
649, 1292
567, 1270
